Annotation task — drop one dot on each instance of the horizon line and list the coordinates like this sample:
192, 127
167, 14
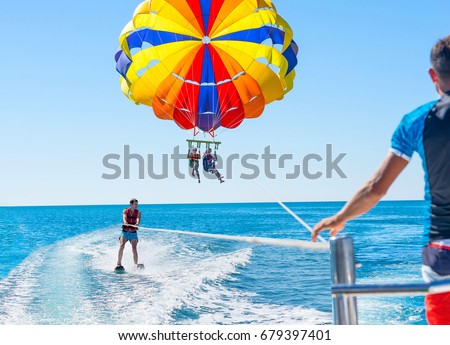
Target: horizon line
199, 203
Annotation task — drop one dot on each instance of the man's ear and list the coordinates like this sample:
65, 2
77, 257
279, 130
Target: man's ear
433, 75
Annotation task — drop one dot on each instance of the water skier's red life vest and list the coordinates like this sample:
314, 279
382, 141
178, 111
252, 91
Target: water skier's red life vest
131, 218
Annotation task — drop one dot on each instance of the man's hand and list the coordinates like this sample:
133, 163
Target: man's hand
366, 197
334, 223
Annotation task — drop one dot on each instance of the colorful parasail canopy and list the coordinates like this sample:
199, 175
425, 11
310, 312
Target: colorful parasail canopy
206, 64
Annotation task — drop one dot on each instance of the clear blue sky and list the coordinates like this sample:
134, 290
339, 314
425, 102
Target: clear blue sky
362, 66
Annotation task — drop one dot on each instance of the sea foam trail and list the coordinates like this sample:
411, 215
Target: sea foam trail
185, 282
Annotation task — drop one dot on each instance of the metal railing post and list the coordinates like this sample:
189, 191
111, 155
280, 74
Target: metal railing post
343, 272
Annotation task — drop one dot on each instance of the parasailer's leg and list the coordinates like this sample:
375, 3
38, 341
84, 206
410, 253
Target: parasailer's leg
197, 172
195, 169
217, 173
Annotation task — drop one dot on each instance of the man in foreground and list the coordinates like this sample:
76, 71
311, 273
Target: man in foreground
426, 131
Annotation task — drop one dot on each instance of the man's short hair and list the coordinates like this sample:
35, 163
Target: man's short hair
132, 201
440, 58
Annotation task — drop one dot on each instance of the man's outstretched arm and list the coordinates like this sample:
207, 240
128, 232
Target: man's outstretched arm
366, 197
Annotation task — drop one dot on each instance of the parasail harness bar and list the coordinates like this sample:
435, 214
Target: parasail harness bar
198, 143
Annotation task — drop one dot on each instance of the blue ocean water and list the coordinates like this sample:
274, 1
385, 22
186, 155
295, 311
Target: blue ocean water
56, 265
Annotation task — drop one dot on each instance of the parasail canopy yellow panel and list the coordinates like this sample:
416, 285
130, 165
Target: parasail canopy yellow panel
206, 64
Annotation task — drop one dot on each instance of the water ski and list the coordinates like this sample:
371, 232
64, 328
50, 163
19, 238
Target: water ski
119, 269
140, 267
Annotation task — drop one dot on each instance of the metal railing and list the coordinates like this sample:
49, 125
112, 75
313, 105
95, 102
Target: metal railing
345, 290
